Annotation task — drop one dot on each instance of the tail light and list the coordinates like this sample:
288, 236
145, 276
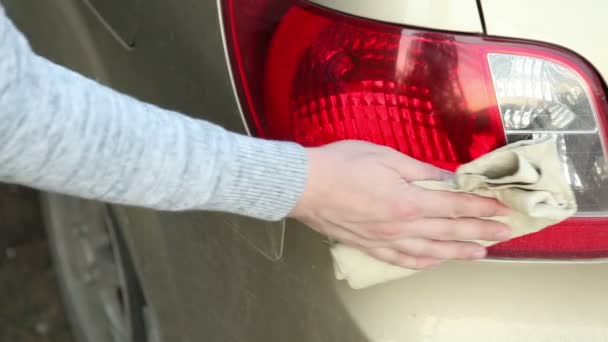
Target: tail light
314, 76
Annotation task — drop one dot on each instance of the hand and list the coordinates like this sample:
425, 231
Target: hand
361, 195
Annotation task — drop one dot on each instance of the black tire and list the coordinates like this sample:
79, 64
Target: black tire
100, 289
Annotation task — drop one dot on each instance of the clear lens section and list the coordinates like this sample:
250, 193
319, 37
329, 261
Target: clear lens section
584, 166
539, 97
536, 95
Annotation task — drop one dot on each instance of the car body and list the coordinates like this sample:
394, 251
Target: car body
218, 277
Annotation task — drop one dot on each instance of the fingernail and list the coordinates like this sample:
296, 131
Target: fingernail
479, 253
504, 234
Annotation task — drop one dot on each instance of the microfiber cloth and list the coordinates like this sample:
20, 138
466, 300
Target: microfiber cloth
526, 176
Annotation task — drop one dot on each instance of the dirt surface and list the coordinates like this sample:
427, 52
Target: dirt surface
30, 306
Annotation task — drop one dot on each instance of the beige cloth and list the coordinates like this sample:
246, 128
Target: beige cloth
527, 176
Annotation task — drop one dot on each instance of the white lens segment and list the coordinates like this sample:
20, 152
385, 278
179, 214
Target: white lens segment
539, 97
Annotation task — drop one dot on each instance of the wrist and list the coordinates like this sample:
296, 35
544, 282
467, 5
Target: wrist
303, 205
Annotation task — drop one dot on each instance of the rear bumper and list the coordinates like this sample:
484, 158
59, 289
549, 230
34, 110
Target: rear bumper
487, 301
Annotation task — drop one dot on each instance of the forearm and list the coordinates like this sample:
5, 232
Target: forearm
62, 132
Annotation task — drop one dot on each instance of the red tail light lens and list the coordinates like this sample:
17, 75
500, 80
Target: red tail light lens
314, 76
422, 93
576, 238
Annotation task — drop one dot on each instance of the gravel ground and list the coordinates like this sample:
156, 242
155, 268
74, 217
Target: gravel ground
30, 306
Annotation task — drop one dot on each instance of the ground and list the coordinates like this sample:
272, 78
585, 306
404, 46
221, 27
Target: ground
30, 305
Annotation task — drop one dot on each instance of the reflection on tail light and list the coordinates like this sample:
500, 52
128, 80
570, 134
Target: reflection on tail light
314, 76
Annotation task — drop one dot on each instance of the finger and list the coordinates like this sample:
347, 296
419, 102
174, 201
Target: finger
458, 229
441, 229
440, 249
397, 258
419, 202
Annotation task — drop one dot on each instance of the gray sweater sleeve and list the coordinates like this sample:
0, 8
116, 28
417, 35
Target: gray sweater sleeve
64, 133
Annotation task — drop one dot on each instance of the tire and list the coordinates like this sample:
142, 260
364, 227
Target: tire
100, 290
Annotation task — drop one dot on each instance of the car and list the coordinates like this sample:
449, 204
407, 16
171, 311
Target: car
444, 81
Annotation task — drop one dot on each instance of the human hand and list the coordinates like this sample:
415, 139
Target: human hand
361, 195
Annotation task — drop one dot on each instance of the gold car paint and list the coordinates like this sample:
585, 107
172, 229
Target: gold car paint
453, 15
